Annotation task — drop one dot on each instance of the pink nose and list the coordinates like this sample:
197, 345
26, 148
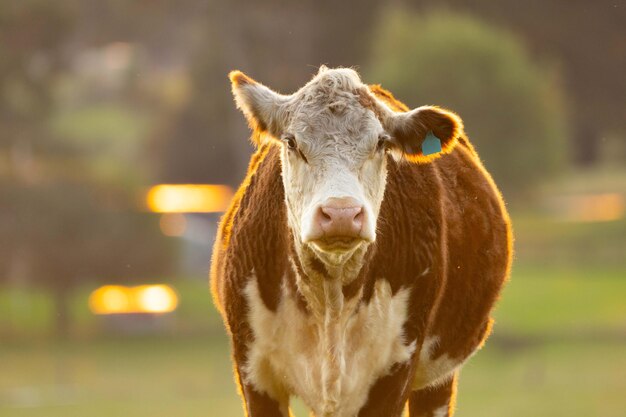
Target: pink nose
340, 217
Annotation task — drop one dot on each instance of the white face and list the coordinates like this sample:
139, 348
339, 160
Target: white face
334, 164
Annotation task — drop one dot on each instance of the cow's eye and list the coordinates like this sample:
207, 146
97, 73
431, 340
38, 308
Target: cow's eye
383, 140
290, 141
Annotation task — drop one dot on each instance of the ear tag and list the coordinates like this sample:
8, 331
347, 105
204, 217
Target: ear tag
431, 144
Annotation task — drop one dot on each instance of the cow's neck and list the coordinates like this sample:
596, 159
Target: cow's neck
322, 288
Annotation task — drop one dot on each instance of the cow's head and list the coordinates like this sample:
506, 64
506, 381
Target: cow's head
335, 136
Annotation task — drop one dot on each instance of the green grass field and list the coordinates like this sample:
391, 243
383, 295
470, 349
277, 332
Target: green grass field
574, 363
192, 378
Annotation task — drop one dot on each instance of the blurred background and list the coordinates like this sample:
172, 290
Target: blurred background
120, 146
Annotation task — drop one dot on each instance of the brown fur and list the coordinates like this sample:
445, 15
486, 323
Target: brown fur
424, 402
444, 220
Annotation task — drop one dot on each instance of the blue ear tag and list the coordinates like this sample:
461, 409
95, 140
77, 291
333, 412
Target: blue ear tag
431, 144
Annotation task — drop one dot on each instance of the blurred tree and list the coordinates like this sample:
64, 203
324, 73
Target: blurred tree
512, 108
67, 232
588, 39
59, 222
278, 43
31, 35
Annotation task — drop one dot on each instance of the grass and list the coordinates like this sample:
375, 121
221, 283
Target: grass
187, 371
562, 379
543, 240
562, 301
126, 377
192, 377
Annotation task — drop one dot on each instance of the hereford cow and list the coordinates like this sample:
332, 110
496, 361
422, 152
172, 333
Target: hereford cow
361, 257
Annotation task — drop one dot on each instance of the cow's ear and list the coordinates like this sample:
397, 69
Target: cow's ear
424, 133
264, 108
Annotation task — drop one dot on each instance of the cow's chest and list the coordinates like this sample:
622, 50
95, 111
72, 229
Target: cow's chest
330, 362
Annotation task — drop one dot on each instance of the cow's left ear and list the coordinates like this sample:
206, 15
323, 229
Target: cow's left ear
423, 133
264, 108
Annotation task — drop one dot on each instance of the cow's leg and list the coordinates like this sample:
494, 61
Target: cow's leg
389, 394
434, 401
260, 404
261, 397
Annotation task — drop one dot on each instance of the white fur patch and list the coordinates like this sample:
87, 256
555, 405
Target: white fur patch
433, 371
441, 411
329, 363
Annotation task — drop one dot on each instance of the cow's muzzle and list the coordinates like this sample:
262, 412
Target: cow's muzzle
338, 224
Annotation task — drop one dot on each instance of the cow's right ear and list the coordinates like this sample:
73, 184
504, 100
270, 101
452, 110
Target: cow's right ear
264, 108
424, 133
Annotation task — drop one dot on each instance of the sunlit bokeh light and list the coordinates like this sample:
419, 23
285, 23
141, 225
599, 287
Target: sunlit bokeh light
156, 299
110, 299
188, 198
173, 224
119, 299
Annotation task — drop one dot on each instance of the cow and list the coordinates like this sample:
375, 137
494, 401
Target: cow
360, 259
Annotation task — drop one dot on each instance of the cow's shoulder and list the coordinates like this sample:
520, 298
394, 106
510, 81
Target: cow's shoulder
410, 227
252, 238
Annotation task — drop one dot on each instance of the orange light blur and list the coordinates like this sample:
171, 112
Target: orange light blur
189, 198
110, 299
595, 207
119, 299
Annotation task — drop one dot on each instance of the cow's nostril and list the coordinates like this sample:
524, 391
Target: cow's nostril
325, 215
359, 217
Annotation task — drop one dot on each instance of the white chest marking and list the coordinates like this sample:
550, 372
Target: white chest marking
330, 364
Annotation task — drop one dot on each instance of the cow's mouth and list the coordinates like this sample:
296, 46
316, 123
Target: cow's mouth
337, 244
